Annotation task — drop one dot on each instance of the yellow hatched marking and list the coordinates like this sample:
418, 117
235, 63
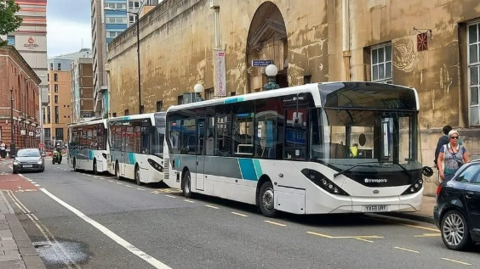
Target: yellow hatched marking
406, 249
429, 235
239, 214
455, 261
275, 223
346, 237
365, 240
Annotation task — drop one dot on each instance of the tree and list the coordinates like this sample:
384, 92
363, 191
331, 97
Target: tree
9, 21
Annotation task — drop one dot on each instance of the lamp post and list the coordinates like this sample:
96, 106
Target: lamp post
198, 88
271, 71
12, 140
137, 22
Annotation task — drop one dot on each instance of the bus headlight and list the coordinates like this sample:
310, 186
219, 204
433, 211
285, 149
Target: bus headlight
155, 165
414, 188
323, 182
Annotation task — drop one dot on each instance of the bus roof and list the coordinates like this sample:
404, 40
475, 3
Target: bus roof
89, 122
135, 117
331, 94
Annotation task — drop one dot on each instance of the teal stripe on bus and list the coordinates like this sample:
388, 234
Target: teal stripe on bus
248, 169
258, 168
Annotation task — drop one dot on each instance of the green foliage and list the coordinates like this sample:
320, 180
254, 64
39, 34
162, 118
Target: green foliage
9, 21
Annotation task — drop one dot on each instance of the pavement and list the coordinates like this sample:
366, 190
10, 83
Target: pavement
16, 248
80, 220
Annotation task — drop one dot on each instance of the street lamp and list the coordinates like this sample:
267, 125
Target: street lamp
271, 71
198, 88
12, 141
137, 22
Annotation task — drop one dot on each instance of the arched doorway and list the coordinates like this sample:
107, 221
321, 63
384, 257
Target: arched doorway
267, 40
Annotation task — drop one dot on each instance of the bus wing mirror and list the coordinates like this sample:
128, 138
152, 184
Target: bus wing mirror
427, 171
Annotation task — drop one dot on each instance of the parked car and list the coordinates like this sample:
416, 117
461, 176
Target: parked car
457, 211
29, 159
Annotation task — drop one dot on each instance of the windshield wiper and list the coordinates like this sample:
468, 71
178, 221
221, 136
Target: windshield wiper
403, 168
356, 165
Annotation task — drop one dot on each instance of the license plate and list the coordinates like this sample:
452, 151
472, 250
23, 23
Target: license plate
28, 165
375, 208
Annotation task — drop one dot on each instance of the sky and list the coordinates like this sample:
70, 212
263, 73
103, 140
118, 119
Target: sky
68, 23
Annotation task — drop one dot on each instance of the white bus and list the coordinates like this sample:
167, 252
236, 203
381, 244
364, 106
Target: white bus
88, 148
337, 147
136, 147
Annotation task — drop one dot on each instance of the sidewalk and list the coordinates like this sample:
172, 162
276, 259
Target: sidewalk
425, 214
16, 249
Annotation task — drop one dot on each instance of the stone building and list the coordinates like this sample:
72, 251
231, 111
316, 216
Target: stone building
82, 91
20, 82
430, 45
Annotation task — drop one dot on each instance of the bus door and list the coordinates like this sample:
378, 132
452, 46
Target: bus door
200, 150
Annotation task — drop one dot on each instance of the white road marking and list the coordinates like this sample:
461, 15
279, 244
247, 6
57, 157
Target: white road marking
211, 206
140, 189
275, 223
128, 186
10, 167
456, 261
110, 181
171, 196
239, 214
406, 249
189, 201
122, 242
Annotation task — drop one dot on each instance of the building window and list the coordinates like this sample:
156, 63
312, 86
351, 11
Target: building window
55, 77
59, 133
137, 4
131, 19
114, 114
57, 120
56, 99
49, 117
159, 106
180, 99
474, 71
51, 66
142, 109
126, 112
48, 134
233, 93
307, 79
130, 4
55, 88
381, 57
11, 40
209, 94
59, 66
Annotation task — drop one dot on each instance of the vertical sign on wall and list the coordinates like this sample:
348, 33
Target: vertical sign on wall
220, 77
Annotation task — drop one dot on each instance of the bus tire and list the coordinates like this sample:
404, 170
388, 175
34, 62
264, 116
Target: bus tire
266, 200
95, 171
117, 171
187, 184
137, 176
75, 165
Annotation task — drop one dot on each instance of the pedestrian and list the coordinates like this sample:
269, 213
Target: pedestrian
452, 156
2, 149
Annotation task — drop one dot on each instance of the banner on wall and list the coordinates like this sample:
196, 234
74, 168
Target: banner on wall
220, 77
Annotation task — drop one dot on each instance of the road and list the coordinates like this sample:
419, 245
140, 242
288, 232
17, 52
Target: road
78, 220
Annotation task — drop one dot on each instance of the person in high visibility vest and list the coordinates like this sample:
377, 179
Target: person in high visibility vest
354, 150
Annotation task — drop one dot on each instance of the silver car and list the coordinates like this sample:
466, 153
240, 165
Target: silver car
29, 159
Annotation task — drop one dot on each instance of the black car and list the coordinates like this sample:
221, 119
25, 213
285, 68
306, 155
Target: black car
457, 212
30, 159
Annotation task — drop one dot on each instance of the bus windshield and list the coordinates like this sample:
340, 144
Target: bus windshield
346, 137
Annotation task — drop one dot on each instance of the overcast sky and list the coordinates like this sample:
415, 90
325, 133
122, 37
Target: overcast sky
68, 23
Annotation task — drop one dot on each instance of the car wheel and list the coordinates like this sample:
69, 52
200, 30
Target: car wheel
455, 231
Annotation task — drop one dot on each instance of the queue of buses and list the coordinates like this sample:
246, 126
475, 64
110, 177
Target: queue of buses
336, 147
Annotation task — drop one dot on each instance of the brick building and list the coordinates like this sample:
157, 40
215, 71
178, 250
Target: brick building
17, 78
82, 91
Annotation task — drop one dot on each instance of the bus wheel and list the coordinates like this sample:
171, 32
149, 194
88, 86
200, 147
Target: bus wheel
75, 164
95, 172
266, 200
117, 171
187, 183
137, 176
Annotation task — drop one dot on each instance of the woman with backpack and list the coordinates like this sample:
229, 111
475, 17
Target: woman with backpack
452, 156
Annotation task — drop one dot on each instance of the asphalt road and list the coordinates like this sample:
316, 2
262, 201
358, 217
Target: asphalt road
208, 233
